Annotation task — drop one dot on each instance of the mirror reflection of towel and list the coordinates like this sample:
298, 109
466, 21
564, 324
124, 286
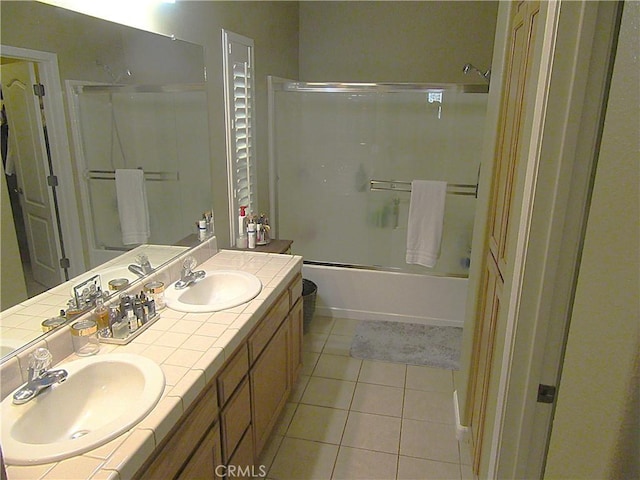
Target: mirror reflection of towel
132, 206
426, 218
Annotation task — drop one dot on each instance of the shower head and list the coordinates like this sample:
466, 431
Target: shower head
125, 73
469, 67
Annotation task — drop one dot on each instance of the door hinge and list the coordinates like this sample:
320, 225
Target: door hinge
65, 263
52, 181
38, 90
546, 393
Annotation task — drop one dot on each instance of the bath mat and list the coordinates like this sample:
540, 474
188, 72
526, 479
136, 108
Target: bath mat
408, 343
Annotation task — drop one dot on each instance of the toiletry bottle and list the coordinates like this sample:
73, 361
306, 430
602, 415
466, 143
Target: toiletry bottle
208, 216
202, 229
120, 328
139, 311
241, 242
146, 311
251, 233
101, 314
132, 320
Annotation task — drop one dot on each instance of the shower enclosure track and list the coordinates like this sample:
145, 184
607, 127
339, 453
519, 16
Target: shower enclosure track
295, 86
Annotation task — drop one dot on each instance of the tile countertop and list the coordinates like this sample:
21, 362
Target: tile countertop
190, 348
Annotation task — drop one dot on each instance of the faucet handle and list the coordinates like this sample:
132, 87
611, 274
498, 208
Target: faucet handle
39, 361
189, 263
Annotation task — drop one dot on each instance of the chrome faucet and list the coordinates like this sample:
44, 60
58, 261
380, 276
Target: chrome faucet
187, 275
40, 377
142, 266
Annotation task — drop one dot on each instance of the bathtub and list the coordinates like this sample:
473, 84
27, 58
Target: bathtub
378, 295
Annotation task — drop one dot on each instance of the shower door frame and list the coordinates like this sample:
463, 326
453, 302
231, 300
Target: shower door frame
346, 87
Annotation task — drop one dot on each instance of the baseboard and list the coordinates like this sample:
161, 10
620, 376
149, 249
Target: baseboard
462, 432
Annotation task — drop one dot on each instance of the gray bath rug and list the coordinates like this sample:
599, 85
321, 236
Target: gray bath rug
408, 343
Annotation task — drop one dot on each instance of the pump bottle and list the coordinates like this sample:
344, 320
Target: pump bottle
241, 242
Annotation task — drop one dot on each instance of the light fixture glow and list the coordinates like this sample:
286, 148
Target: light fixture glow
137, 14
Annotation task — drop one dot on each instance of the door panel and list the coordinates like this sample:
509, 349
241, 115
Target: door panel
28, 148
523, 30
489, 312
498, 262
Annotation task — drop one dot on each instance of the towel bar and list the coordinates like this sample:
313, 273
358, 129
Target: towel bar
403, 186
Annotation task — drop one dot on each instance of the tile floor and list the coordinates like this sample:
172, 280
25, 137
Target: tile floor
360, 419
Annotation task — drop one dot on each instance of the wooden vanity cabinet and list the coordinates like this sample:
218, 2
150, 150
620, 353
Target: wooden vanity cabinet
230, 422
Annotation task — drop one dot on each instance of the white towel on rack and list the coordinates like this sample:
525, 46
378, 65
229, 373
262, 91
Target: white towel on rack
426, 217
132, 206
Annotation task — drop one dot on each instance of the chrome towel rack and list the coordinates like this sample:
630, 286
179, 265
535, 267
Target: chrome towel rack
151, 176
464, 189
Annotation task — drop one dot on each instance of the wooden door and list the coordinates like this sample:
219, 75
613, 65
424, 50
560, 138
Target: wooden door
513, 110
28, 146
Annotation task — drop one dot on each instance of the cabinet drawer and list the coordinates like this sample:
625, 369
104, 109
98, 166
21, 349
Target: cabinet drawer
232, 375
235, 418
268, 326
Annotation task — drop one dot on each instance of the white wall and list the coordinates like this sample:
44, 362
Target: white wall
395, 41
595, 429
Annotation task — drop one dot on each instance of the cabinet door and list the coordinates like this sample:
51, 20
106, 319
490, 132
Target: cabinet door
295, 322
241, 464
193, 427
234, 419
270, 380
206, 462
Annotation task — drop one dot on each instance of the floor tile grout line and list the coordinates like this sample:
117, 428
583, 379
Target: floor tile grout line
351, 405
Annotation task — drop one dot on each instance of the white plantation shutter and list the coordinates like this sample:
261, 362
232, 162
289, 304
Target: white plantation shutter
240, 127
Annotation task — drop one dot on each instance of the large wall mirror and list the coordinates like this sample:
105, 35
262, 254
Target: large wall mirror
124, 100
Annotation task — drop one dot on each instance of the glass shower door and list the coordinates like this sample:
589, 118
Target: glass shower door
344, 160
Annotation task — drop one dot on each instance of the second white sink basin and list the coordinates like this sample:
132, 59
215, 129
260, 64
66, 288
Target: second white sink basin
102, 397
219, 290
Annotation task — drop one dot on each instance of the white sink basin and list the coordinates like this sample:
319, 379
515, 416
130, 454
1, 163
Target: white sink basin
219, 290
102, 397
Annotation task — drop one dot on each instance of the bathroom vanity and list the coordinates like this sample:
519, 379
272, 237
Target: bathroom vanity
228, 376
229, 423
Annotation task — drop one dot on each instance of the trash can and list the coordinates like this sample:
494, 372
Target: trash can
309, 291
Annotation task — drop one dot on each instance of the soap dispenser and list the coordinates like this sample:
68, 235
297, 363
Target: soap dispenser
241, 242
